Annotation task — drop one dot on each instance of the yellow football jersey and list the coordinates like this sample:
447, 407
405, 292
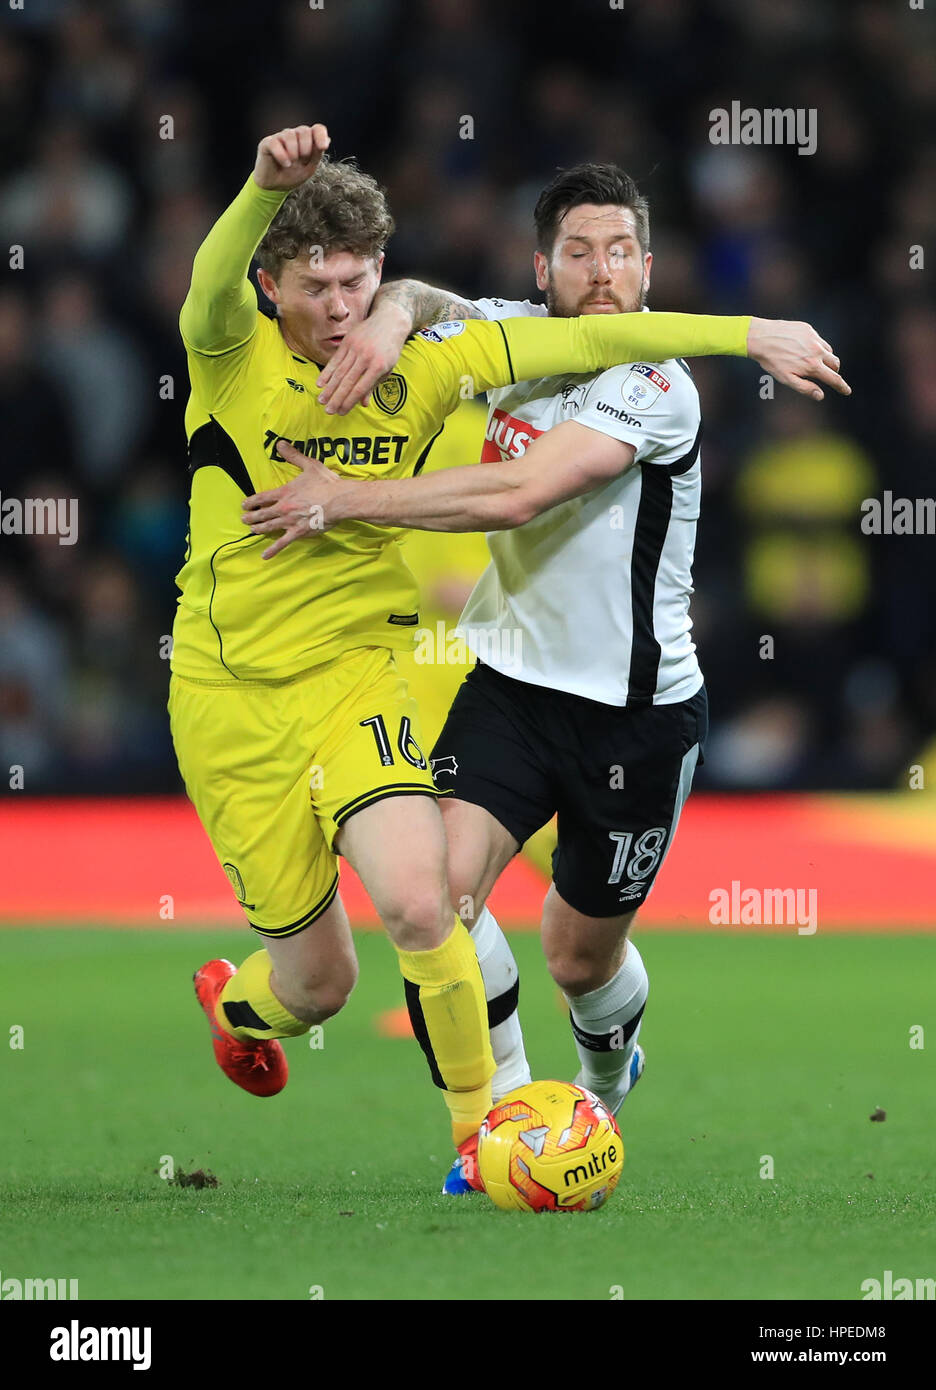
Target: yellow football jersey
348, 587
243, 618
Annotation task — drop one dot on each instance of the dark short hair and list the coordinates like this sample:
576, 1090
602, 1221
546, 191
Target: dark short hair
340, 208
588, 183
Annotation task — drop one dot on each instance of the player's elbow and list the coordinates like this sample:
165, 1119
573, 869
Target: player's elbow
516, 508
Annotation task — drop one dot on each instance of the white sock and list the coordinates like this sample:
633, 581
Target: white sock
606, 1024
501, 989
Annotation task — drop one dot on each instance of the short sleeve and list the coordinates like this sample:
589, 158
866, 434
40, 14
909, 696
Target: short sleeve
509, 308
653, 406
451, 362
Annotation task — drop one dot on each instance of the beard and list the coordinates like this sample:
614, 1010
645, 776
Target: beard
566, 309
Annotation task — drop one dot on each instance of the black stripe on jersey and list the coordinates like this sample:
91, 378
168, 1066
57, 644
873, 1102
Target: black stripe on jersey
212, 447
685, 463
653, 518
507, 350
425, 453
380, 794
292, 928
214, 584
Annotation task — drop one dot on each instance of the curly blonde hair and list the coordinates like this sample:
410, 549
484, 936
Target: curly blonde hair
340, 208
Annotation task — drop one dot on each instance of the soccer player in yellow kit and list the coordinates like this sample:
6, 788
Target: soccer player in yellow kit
295, 734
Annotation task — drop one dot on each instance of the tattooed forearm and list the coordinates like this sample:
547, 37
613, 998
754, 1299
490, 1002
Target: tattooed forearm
425, 304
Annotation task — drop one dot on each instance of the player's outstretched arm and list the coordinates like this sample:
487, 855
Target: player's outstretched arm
794, 353
220, 309
568, 461
371, 349
497, 353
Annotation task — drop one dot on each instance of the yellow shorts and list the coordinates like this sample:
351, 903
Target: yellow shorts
275, 769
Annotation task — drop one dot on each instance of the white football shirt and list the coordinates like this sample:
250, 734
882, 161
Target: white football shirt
592, 596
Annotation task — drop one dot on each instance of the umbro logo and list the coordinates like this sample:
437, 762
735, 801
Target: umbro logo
633, 890
296, 385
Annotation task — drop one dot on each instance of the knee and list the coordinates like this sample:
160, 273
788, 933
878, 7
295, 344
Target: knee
333, 996
420, 921
577, 974
313, 1000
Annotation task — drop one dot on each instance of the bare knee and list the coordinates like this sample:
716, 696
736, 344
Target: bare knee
313, 999
331, 998
420, 920
577, 973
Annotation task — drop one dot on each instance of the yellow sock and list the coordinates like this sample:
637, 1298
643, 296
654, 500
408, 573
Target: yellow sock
248, 1008
445, 998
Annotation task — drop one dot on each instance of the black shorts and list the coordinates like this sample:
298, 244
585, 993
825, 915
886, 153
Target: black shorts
617, 778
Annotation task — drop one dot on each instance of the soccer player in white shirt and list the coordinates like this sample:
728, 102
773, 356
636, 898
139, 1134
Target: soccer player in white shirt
587, 699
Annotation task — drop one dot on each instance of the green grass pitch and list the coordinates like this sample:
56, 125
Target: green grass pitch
756, 1045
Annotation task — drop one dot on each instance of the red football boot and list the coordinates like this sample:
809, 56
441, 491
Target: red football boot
258, 1067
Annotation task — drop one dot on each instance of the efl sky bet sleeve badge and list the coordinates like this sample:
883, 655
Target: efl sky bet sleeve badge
440, 331
643, 386
390, 393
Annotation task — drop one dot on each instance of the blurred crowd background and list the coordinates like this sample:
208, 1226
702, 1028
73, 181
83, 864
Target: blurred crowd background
109, 215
